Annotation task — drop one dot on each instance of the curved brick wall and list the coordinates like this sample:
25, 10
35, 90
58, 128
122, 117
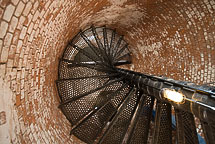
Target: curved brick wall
171, 38
177, 39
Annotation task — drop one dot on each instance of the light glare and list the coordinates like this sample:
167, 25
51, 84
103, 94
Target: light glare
173, 95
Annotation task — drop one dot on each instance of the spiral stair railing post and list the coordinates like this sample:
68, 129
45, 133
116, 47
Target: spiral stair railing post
108, 104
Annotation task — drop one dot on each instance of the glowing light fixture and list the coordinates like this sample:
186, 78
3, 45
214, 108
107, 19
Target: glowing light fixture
173, 95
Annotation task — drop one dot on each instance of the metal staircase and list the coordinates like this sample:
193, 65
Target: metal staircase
108, 104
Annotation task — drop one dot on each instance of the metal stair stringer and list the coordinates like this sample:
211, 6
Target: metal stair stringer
107, 104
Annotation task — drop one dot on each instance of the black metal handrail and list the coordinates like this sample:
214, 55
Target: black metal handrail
200, 101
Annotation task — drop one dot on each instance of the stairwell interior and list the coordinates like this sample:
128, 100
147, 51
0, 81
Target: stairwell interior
175, 39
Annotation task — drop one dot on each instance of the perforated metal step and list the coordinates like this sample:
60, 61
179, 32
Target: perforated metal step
106, 104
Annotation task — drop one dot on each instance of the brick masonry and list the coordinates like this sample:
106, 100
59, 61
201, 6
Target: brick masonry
171, 38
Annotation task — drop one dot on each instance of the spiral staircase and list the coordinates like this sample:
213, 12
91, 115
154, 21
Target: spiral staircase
107, 104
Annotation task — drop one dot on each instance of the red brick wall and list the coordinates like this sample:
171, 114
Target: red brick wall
167, 37
177, 39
